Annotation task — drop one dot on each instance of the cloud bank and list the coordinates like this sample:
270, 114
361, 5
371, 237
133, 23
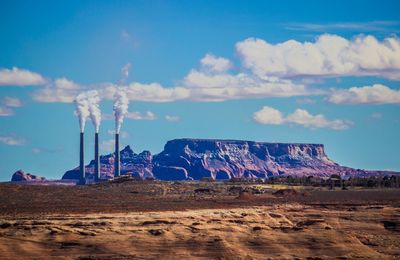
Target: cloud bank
60, 90
329, 55
375, 94
271, 116
267, 70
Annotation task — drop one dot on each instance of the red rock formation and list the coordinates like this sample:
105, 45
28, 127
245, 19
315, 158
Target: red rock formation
224, 159
20, 175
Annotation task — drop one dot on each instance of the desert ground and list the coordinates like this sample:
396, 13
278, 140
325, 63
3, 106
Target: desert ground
197, 220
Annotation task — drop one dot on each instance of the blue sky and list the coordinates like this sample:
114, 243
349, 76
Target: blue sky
284, 71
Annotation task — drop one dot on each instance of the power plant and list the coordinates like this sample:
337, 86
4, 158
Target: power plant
87, 105
116, 161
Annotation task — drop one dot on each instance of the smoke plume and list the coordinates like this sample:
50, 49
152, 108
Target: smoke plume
94, 109
82, 110
124, 73
120, 108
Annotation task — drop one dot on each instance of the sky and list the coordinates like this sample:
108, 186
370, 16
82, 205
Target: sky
271, 71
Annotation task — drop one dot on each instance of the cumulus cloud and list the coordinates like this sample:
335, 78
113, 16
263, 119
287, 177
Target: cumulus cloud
268, 70
5, 111
269, 116
375, 94
12, 102
215, 64
20, 77
220, 87
329, 55
148, 115
11, 140
152, 92
60, 90
272, 116
211, 82
171, 118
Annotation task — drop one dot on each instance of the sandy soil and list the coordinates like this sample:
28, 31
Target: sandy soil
319, 225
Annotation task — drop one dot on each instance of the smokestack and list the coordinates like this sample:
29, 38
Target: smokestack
96, 157
82, 180
116, 161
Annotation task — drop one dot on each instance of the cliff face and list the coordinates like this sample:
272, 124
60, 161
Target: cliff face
223, 159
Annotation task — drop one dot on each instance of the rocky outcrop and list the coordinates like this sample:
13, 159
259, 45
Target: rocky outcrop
20, 175
224, 159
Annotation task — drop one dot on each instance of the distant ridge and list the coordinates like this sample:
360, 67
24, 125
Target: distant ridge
189, 158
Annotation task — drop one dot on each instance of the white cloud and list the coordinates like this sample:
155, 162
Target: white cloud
375, 94
304, 118
171, 118
60, 90
269, 115
220, 87
107, 145
5, 111
215, 64
11, 102
211, 83
11, 140
272, 67
148, 115
329, 55
152, 92
20, 77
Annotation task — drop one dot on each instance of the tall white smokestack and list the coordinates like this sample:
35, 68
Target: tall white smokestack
96, 157
116, 161
82, 111
120, 108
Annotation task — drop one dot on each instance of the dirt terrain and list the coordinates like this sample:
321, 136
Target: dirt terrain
186, 220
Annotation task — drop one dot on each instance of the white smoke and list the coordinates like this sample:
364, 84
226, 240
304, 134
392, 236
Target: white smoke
94, 109
120, 108
124, 73
82, 110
